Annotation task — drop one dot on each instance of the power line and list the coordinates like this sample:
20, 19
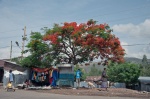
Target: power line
4, 47
9, 37
135, 44
121, 45
119, 11
122, 19
93, 16
10, 31
9, 46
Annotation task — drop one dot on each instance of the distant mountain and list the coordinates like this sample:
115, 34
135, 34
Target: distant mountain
87, 68
134, 60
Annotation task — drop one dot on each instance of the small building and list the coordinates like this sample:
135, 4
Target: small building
20, 73
66, 75
144, 83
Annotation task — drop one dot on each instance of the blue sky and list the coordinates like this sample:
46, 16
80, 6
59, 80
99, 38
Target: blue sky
129, 19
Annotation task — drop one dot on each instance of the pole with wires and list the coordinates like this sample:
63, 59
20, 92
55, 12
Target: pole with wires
23, 41
10, 50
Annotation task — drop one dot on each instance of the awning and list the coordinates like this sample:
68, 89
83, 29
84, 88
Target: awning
43, 69
40, 69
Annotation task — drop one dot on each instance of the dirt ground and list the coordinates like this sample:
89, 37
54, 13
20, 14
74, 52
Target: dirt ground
119, 92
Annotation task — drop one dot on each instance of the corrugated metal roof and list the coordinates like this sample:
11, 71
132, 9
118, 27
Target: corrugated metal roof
144, 79
11, 66
7, 61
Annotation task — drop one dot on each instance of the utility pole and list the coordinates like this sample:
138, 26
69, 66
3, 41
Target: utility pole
10, 50
23, 41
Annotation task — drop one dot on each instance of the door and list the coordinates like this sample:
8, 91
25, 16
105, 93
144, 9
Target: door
1, 74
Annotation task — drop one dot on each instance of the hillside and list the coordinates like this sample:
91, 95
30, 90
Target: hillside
87, 68
134, 60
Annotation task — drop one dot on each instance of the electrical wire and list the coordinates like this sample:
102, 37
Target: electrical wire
121, 45
135, 44
93, 16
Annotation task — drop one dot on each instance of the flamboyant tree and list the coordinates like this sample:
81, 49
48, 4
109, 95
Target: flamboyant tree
76, 43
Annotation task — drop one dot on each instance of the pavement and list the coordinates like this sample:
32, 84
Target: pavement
24, 94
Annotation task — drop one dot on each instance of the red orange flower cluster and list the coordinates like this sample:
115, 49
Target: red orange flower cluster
91, 35
53, 38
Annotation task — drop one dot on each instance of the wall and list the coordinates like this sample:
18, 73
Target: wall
2, 63
19, 78
145, 87
66, 75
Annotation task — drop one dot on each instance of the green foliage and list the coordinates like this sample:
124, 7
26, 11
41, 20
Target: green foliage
94, 71
39, 51
16, 60
145, 67
125, 73
146, 71
73, 43
144, 60
28, 62
83, 73
76, 43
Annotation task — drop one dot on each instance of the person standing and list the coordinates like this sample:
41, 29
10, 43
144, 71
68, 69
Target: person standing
47, 79
11, 77
78, 76
104, 79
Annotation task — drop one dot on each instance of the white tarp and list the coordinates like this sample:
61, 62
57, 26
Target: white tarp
15, 72
6, 74
19, 77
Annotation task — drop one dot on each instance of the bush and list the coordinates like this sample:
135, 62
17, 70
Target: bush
127, 73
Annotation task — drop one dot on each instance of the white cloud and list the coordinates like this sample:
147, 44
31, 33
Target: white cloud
138, 54
4, 53
135, 34
146, 49
134, 30
15, 15
125, 47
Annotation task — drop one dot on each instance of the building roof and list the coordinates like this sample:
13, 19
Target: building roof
7, 65
144, 79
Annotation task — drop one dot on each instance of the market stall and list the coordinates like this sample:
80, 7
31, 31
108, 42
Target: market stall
44, 76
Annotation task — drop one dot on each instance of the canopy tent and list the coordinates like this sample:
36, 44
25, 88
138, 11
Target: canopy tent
40, 69
43, 69
50, 76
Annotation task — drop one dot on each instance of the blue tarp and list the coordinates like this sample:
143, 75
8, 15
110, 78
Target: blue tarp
55, 76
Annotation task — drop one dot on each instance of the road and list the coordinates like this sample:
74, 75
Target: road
23, 94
